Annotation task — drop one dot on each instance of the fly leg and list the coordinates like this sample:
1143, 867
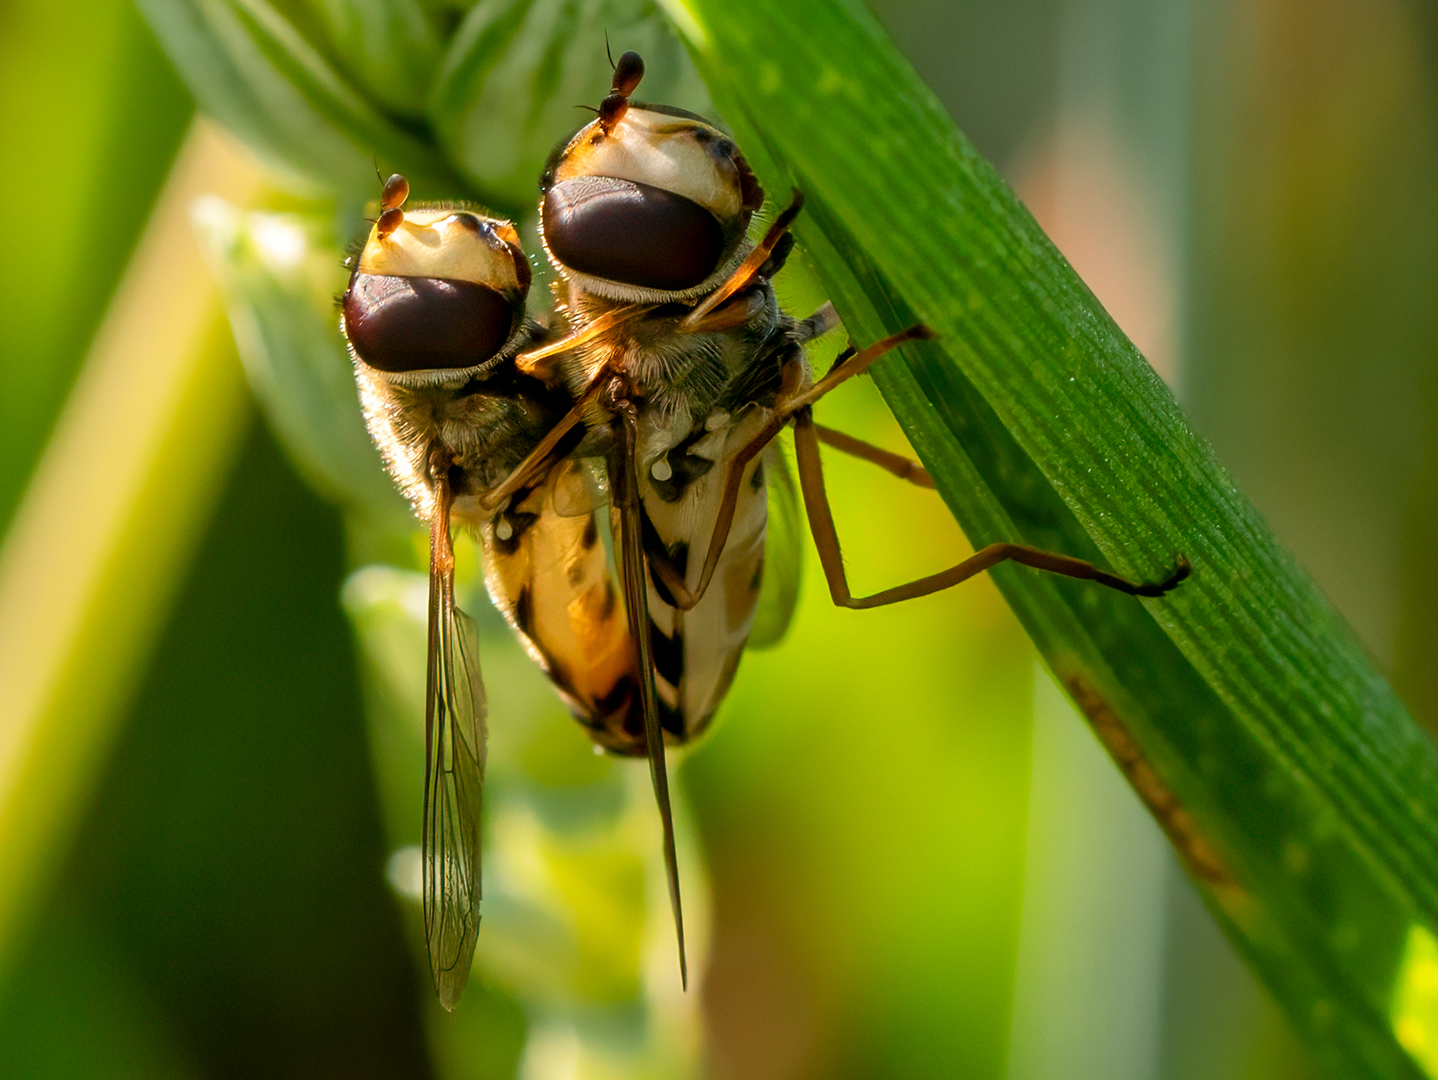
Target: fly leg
544, 454
796, 407
793, 397
897, 464
750, 267
826, 539
531, 361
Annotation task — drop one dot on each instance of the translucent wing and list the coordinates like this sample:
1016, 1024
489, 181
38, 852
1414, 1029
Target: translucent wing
453, 771
634, 573
580, 486
783, 552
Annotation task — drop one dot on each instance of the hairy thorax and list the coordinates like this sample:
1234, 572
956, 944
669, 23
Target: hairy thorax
484, 429
680, 378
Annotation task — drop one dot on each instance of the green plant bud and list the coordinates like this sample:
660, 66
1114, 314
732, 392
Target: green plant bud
539, 59
259, 75
389, 48
575, 924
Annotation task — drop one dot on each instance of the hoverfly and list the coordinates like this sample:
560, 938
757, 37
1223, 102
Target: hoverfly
677, 373
684, 370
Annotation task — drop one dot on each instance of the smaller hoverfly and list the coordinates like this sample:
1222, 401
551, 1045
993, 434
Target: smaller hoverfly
434, 316
684, 371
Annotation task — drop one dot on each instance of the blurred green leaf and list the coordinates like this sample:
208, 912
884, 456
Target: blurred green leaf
154, 417
91, 115
234, 854
389, 47
279, 278
1241, 707
517, 70
255, 73
122, 1032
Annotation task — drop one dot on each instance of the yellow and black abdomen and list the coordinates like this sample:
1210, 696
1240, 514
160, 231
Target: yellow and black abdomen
697, 652
549, 573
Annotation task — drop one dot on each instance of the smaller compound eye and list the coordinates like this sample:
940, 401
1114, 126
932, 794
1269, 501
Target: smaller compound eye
633, 233
399, 324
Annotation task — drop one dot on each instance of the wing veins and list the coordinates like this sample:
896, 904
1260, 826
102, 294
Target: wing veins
454, 768
624, 488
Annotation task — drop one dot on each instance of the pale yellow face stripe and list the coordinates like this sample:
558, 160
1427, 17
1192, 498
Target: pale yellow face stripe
661, 151
441, 244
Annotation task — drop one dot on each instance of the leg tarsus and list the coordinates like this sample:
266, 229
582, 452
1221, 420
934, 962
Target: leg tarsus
1182, 570
1086, 571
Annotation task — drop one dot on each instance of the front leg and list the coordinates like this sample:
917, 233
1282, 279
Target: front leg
545, 453
745, 273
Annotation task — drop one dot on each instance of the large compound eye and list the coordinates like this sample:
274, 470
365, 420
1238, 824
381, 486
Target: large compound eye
436, 288
400, 324
632, 233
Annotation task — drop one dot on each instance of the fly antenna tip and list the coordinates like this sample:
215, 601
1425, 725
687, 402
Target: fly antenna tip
627, 74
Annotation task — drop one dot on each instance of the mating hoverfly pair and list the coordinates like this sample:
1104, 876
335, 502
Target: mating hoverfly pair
672, 374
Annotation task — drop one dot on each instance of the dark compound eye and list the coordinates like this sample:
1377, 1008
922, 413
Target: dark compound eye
632, 233
419, 324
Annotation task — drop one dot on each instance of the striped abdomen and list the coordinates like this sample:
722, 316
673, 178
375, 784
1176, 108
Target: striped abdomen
548, 573
697, 652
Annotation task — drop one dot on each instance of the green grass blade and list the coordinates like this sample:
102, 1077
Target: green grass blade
1243, 711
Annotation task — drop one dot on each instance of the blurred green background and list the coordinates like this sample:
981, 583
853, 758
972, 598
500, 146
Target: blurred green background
919, 862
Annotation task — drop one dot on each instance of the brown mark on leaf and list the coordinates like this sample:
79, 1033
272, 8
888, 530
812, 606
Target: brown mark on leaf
1203, 861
